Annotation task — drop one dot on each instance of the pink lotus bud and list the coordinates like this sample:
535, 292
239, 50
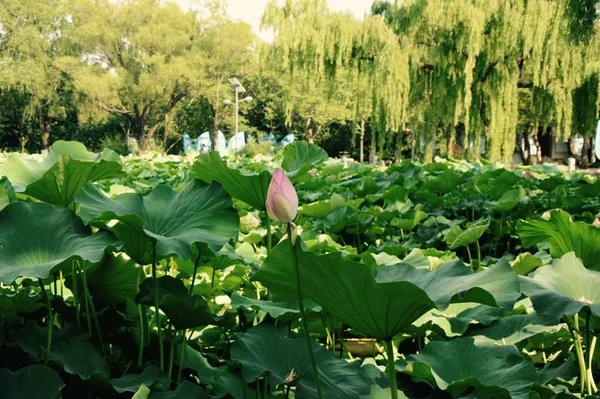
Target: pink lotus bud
596, 222
282, 200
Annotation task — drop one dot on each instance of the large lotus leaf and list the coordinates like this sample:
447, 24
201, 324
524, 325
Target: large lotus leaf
384, 306
457, 365
7, 193
263, 350
182, 309
31, 382
14, 307
563, 288
59, 177
299, 157
115, 279
200, 214
510, 199
458, 238
185, 390
457, 318
73, 350
248, 187
283, 311
514, 329
444, 183
563, 235
221, 379
151, 376
36, 238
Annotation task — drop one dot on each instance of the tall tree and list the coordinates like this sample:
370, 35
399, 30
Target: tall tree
31, 43
229, 49
357, 65
137, 59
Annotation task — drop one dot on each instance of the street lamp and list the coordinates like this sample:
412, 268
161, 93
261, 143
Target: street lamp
238, 89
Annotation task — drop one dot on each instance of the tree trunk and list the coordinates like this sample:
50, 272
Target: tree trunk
413, 145
362, 140
585, 158
308, 131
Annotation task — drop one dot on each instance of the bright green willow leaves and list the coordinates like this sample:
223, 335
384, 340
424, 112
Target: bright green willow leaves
37, 238
57, 179
385, 305
563, 235
174, 222
563, 288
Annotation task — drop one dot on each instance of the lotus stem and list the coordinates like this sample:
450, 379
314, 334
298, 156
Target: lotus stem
76, 296
269, 236
303, 315
88, 298
141, 346
161, 350
172, 335
50, 321
182, 354
194, 272
579, 353
391, 368
478, 253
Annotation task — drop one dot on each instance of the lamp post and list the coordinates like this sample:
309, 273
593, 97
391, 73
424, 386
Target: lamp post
238, 89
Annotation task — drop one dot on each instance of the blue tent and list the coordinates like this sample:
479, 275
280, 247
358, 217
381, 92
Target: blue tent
187, 143
270, 137
237, 142
203, 142
289, 139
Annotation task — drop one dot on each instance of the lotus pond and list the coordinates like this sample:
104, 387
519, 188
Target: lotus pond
162, 277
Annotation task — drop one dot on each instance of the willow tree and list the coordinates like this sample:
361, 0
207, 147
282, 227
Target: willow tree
471, 60
31, 43
354, 65
136, 59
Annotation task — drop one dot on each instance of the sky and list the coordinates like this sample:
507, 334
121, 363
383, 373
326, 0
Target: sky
250, 11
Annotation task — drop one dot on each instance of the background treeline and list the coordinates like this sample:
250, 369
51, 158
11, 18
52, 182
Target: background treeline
416, 78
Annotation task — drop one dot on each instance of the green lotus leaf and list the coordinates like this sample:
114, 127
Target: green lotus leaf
514, 329
510, 199
37, 238
444, 183
182, 309
525, 263
299, 157
382, 306
223, 380
31, 382
202, 214
563, 288
14, 307
132, 382
59, 177
464, 365
250, 188
264, 350
457, 318
114, 280
185, 390
73, 350
563, 235
284, 311
458, 238
7, 193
